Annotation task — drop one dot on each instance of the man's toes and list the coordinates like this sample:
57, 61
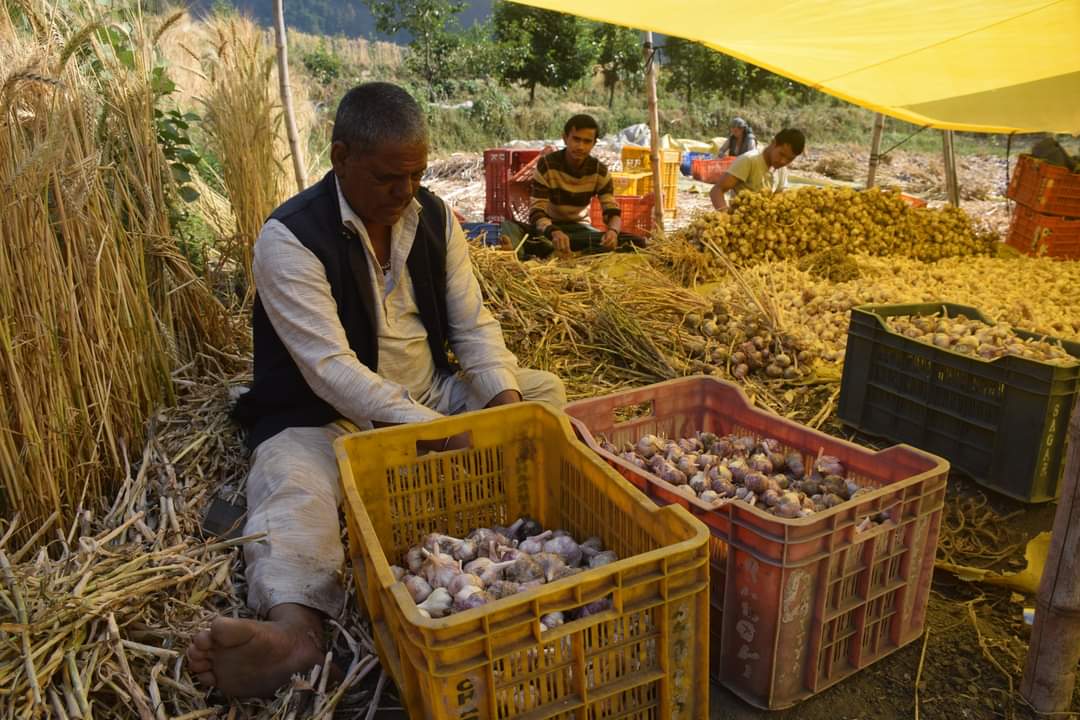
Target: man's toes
202, 641
228, 632
199, 664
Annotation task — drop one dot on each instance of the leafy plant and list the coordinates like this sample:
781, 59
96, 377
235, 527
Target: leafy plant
430, 24
324, 65
620, 56
542, 47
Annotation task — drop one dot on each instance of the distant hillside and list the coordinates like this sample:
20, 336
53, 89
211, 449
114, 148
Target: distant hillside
338, 17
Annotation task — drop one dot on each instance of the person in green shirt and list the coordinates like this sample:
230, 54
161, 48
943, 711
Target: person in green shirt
760, 169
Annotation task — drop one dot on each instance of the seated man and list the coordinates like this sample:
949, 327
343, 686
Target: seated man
563, 187
753, 171
364, 282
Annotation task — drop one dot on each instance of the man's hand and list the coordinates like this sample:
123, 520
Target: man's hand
610, 241
561, 241
505, 398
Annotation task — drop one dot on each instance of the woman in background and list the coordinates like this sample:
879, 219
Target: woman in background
741, 139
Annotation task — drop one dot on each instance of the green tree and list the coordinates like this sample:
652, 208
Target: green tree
692, 68
620, 56
542, 47
430, 24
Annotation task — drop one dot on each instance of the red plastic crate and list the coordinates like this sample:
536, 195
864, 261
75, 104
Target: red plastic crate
710, 171
637, 214
1036, 233
500, 166
912, 200
1044, 187
800, 604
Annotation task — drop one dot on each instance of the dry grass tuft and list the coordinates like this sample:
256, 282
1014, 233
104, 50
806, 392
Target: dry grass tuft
243, 124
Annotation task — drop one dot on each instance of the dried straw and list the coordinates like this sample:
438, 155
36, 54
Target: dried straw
98, 304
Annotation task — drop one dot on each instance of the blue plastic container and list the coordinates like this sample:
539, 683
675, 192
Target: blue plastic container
488, 233
688, 160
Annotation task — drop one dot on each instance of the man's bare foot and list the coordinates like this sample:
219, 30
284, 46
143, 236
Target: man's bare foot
253, 658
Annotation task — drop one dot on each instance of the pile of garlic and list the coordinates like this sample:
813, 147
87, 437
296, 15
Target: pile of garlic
444, 574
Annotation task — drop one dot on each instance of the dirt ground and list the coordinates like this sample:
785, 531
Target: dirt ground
969, 663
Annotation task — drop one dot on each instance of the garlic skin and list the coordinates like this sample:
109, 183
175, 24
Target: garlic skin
437, 604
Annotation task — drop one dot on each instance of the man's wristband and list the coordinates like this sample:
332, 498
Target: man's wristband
549, 231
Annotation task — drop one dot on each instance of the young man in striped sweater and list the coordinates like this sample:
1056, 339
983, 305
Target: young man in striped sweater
563, 187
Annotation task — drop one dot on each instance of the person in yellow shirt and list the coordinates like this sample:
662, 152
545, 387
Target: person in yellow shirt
761, 169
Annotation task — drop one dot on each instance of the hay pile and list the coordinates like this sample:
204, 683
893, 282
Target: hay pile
96, 616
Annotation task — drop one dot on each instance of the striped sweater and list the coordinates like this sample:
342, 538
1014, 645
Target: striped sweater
562, 194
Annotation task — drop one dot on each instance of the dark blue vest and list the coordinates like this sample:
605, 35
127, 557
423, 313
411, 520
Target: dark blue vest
280, 397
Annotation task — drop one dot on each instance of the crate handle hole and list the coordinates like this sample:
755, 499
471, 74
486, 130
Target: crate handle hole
633, 411
461, 441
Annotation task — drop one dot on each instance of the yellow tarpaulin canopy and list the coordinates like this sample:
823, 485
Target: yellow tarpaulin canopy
979, 65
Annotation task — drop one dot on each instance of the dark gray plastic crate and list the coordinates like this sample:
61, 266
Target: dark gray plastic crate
1002, 421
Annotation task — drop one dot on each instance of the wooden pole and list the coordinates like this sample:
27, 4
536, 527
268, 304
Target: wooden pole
654, 135
875, 148
286, 96
1050, 670
952, 186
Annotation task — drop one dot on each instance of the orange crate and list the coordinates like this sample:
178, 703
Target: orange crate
1045, 188
500, 164
636, 158
710, 171
637, 214
798, 605
1035, 233
646, 657
912, 200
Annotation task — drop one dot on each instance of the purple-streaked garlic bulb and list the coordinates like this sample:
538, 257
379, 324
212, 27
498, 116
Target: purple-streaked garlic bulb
760, 463
794, 463
706, 460
534, 544
634, 459
414, 560
471, 597
648, 445
738, 469
524, 569
708, 441
688, 464
504, 588
723, 488
594, 608
461, 581
602, 558
709, 496
591, 546
439, 569
551, 620
565, 547
829, 465
418, 588
398, 572
698, 483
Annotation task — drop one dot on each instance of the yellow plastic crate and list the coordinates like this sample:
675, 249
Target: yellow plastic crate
637, 159
632, 183
646, 657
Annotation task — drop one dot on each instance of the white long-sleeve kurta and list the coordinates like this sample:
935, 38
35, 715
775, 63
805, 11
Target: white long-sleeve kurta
295, 292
